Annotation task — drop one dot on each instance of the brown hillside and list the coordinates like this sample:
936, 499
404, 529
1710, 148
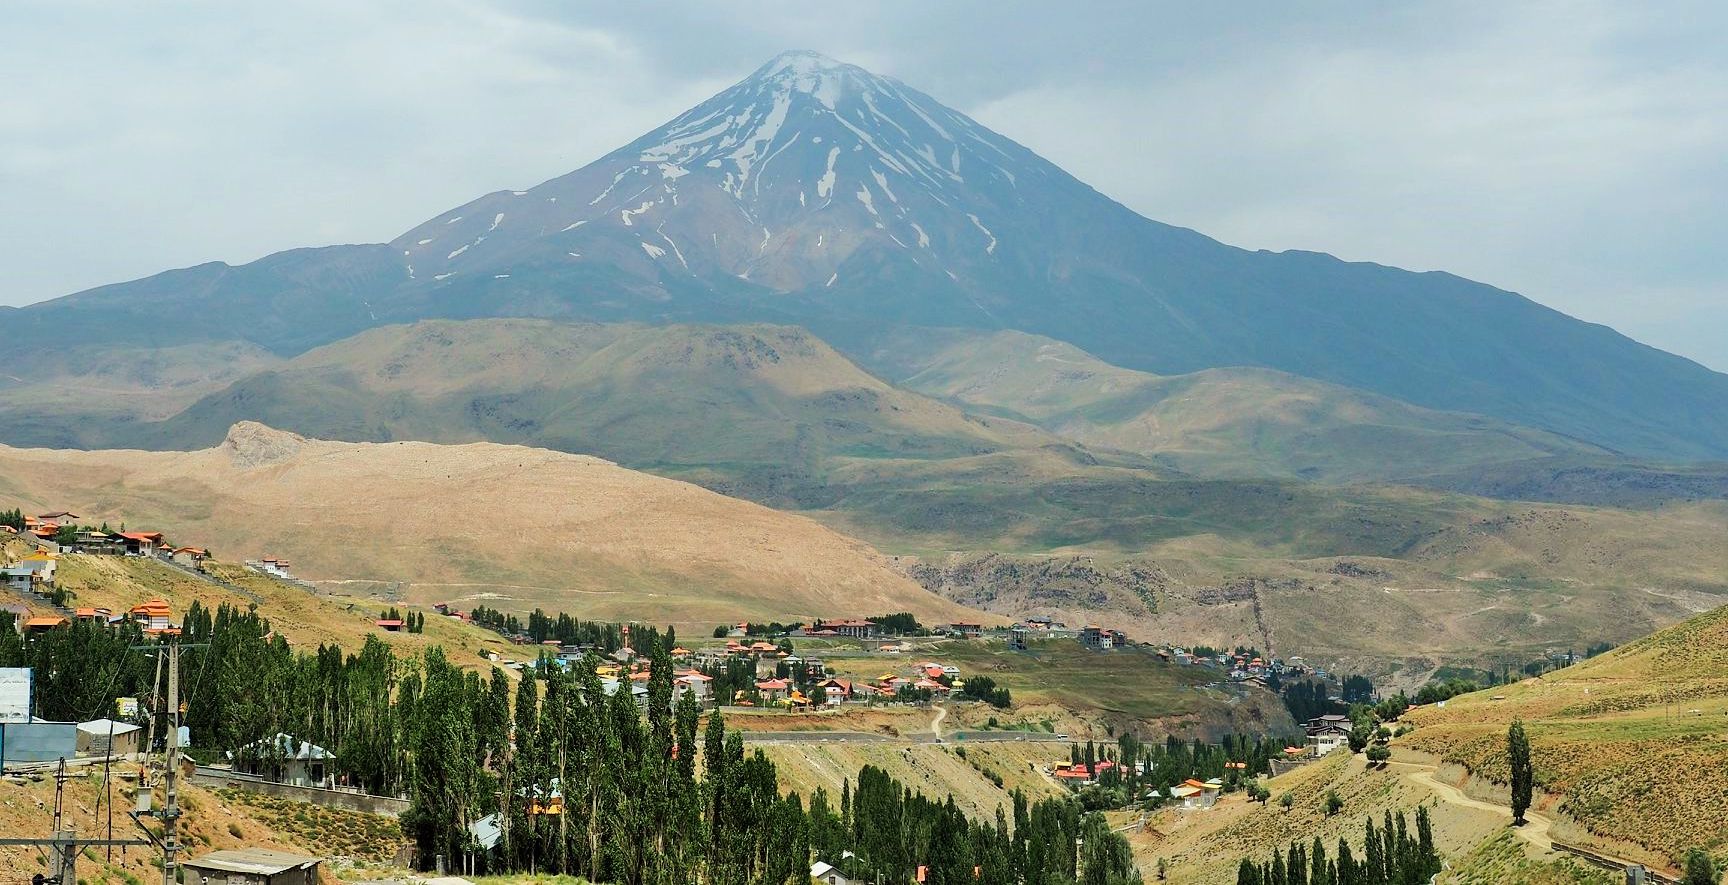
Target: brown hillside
509, 526
1634, 742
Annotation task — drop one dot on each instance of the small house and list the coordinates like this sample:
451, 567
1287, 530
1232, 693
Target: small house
773, 691
192, 556
966, 630
851, 629
151, 616
836, 691
43, 623
251, 866
105, 737
42, 562
93, 541
696, 685
390, 625
284, 759
20, 579
140, 543
98, 616
1193, 794
827, 875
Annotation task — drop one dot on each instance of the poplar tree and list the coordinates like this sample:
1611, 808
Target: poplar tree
1523, 775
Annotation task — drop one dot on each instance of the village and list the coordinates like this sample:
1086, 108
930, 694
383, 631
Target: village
802, 670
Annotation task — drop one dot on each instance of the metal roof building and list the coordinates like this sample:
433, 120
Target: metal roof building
251, 866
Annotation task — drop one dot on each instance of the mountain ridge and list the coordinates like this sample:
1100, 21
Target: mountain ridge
817, 194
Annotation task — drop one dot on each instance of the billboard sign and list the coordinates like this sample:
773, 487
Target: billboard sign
14, 694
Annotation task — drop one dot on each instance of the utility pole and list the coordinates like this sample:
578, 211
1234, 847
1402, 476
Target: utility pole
170, 805
65, 844
170, 813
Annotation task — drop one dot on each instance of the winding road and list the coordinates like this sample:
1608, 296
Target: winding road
1536, 826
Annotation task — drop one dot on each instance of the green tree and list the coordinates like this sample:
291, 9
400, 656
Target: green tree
1333, 803
1287, 800
1699, 869
1523, 775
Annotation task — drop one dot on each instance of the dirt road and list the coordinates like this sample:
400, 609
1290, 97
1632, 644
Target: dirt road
936, 723
1534, 831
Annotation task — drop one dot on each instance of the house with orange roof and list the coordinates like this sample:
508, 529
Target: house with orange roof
140, 543
94, 615
697, 685
836, 691
851, 629
773, 690
190, 555
152, 616
43, 623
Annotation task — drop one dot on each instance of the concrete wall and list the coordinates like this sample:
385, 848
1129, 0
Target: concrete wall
218, 777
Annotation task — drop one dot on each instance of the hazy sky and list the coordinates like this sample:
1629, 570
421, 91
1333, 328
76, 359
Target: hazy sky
1575, 152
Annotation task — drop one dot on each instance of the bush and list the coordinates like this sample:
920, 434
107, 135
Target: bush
1333, 803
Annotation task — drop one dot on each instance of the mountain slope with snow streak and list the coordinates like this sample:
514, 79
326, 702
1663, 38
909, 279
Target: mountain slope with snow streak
781, 182
817, 194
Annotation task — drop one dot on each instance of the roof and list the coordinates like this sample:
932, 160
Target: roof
153, 607
258, 861
45, 621
287, 747
389, 622
102, 727
487, 831
141, 536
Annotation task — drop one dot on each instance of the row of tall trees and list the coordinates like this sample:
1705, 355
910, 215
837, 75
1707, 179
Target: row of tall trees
1395, 854
583, 782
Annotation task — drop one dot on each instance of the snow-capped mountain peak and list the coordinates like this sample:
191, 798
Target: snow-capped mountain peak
779, 180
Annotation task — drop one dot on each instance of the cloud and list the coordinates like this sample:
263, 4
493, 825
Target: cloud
1569, 151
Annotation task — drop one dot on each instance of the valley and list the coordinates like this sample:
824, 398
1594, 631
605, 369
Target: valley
823, 486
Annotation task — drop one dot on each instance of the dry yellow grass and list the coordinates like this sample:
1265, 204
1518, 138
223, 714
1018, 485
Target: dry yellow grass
305, 619
1635, 742
507, 526
210, 822
934, 769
